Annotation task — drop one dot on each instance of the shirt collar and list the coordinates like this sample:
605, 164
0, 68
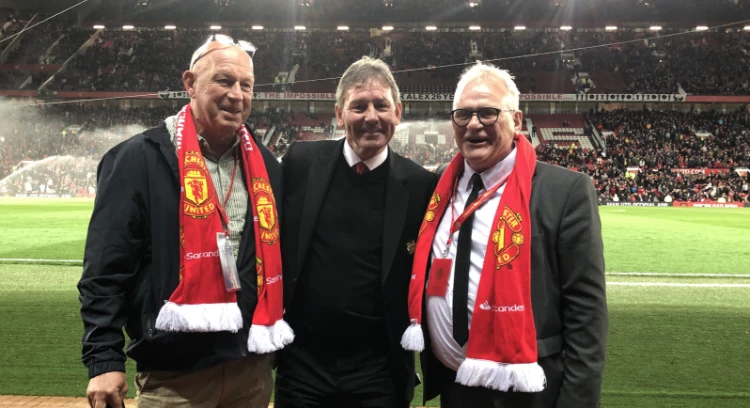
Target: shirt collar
493, 175
372, 163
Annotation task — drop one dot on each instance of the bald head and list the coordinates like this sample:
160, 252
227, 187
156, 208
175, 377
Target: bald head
200, 57
220, 86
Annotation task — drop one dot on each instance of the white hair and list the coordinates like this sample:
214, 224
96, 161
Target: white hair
489, 72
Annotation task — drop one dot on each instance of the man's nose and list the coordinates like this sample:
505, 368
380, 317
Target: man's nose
235, 92
371, 115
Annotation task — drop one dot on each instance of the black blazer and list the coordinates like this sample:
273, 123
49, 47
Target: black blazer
307, 171
567, 296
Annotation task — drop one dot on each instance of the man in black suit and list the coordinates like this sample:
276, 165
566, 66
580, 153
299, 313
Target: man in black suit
514, 306
354, 209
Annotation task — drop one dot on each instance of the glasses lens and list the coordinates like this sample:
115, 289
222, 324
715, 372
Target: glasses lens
462, 116
487, 115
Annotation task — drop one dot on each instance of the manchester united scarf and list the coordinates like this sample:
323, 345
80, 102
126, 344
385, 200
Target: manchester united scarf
201, 302
501, 352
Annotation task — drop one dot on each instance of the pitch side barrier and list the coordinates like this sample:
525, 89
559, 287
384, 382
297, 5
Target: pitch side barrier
693, 204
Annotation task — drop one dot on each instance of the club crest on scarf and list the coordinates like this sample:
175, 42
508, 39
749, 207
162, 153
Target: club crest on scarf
265, 205
261, 276
507, 237
198, 197
429, 216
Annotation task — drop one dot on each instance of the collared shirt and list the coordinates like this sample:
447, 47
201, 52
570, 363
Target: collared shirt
220, 169
440, 310
372, 163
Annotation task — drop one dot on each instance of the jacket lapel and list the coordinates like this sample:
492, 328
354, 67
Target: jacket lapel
318, 180
396, 204
160, 135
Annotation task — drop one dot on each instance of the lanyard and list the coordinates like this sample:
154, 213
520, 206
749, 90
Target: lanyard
469, 210
222, 206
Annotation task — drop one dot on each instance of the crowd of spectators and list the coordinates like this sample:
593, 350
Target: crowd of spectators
12, 23
68, 139
643, 148
708, 63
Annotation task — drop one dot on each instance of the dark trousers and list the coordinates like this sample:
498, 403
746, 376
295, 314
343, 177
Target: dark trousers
455, 395
314, 379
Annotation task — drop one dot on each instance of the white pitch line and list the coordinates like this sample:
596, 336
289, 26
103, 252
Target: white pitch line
40, 260
679, 275
681, 285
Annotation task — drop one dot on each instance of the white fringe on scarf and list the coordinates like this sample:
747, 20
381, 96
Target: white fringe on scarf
413, 338
267, 339
213, 317
502, 377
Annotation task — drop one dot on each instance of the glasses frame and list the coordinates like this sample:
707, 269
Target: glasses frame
224, 39
476, 112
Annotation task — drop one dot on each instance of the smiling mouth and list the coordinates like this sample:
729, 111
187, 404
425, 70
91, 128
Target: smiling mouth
476, 140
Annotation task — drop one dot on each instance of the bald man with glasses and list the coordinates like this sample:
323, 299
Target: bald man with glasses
174, 256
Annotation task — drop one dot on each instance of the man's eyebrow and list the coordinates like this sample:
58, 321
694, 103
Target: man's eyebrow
362, 100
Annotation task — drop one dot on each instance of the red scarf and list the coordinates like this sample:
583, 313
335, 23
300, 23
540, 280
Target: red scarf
201, 302
501, 352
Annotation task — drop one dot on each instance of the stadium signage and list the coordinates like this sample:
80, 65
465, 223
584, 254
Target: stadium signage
552, 97
417, 97
636, 204
708, 204
307, 96
630, 97
426, 97
700, 171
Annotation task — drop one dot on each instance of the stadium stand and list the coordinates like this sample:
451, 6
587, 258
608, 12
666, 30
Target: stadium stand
630, 153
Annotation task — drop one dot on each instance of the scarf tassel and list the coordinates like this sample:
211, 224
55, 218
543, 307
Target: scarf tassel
267, 339
413, 338
211, 317
501, 377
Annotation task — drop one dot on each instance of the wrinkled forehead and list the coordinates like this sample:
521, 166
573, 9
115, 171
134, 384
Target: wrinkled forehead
221, 58
370, 88
214, 52
484, 90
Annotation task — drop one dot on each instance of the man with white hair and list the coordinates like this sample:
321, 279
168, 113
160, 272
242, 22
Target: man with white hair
183, 251
508, 271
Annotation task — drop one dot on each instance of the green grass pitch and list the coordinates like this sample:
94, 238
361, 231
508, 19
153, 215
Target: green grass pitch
669, 346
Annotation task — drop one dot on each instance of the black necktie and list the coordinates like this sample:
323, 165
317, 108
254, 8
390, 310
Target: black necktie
461, 274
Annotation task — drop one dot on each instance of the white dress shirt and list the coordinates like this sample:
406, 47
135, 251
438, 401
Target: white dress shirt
440, 309
372, 163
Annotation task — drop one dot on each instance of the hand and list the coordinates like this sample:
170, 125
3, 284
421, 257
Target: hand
108, 388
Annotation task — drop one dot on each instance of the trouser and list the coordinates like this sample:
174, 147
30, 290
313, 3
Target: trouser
245, 382
304, 379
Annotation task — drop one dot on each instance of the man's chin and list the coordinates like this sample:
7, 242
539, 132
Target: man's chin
477, 160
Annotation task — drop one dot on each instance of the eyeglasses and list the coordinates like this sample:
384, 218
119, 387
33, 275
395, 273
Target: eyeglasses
246, 46
487, 116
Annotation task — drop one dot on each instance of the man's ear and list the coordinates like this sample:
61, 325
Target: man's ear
518, 121
189, 79
339, 116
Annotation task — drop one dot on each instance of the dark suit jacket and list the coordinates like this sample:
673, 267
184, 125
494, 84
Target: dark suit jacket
307, 170
567, 295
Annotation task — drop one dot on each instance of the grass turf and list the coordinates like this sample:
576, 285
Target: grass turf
665, 240
668, 346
